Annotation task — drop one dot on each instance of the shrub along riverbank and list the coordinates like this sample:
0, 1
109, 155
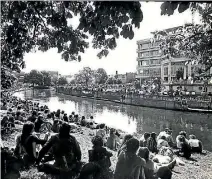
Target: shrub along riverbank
200, 167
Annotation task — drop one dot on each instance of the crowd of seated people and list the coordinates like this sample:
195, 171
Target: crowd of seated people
151, 157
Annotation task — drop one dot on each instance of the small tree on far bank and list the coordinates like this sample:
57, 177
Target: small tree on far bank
34, 77
62, 81
46, 78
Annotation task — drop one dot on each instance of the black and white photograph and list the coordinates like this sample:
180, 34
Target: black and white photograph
106, 89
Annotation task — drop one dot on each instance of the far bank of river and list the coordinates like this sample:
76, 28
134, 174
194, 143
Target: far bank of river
129, 118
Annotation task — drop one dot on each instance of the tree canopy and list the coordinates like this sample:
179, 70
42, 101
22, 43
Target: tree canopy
62, 81
41, 25
34, 77
100, 76
85, 76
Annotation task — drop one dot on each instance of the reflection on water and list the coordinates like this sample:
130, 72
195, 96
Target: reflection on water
130, 118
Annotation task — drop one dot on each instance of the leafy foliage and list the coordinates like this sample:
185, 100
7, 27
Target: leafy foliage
31, 25
46, 78
85, 76
34, 77
192, 40
100, 76
62, 81
168, 8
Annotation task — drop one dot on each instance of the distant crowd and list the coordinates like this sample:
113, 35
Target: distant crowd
150, 157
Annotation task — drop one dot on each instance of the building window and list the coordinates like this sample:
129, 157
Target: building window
156, 52
155, 62
144, 46
146, 72
165, 70
144, 63
140, 46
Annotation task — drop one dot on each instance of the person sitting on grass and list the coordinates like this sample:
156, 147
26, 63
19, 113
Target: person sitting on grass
65, 117
65, 149
169, 138
56, 126
100, 156
182, 133
38, 123
83, 122
195, 144
33, 117
152, 143
76, 118
113, 140
143, 139
26, 144
185, 149
101, 132
162, 143
123, 145
153, 169
129, 164
18, 116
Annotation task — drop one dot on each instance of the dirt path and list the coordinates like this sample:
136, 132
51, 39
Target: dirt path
200, 168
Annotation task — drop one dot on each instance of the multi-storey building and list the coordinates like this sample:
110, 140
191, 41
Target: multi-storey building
149, 60
151, 63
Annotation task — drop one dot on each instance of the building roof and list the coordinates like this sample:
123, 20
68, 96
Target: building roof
167, 30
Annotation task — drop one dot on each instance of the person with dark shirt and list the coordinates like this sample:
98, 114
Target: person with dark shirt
83, 122
38, 123
123, 145
185, 149
152, 143
65, 149
100, 156
33, 117
26, 142
18, 116
129, 165
65, 117
143, 140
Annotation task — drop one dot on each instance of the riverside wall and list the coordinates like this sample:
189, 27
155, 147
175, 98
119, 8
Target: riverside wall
162, 102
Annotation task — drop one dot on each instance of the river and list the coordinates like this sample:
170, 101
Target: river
128, 118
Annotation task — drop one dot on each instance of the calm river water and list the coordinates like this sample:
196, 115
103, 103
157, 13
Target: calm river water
129, 118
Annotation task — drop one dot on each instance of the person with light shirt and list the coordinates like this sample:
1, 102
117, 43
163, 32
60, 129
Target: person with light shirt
195, 144
162, 143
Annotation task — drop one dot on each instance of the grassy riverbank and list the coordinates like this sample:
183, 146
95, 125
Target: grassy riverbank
199, 168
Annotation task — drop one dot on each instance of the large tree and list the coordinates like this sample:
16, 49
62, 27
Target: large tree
34, 77
191, 40
85, 76
100, 76
41, 25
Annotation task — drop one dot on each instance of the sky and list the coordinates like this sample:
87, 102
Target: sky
122, 59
